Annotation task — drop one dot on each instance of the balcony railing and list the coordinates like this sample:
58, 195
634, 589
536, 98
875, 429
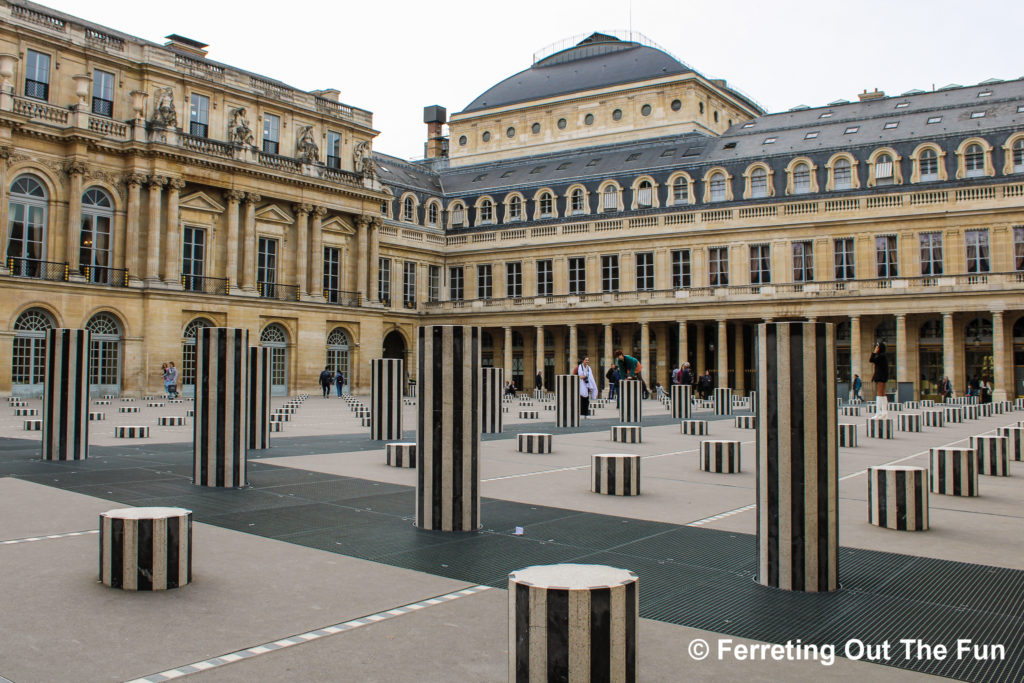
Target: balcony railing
341, 298
42, 270
101, 275
204, 284
272, 290
102, 107
37, 90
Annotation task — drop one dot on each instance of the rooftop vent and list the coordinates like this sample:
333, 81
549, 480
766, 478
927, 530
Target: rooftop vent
951, 86
914, 92
990, 81
875, 94
799, 107
836, 103
184, 44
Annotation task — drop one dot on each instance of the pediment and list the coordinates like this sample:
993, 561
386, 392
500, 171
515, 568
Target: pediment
338, 224
200, 201
272, 213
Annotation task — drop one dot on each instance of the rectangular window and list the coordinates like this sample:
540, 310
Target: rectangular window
886, 258
545, 277
610, 199
758, 184
102, 93
484, 282
932, 120
37, 75
844, 259
977, 251
610, 273
760, 264
434, 283
681, 269
645, 196
199, 116
718, 188
456, 285
1018, 248
577, 275
193, 258
514, 279
266, 267
680, 191
333, 149
409, 284
803, 262
332, 274
851, 130
384, 281
931, 253
645, 271
843, 174
891, 124
271, 133
718, 266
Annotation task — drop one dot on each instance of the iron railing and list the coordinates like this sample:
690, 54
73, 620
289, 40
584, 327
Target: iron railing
341, 298
273, 290
102, 107
205, 285
43, 270
101, 275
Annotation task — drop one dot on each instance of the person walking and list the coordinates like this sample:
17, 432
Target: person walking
880, 376
588, 387
339, 381
704, 385
857, 385
326, 379
171, 381
946, 389
164, 379
613, 378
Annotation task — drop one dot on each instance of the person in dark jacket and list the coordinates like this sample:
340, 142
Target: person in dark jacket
339, 382
880, 376
326, 380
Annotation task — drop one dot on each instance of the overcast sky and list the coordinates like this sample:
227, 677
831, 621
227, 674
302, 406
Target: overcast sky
395, 57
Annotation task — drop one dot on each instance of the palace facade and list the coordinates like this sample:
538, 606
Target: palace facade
607, 196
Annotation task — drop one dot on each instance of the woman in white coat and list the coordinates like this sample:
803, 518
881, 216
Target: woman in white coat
588, 387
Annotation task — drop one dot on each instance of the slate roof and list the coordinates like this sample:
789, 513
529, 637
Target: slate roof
395, 172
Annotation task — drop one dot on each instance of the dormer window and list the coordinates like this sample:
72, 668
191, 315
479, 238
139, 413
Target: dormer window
408, 210
546, 205
576, 202
759, 183
515, 209
458, 216
680, 191
1018, 156
974, 161
610, 199
884, 170
801, 178
929, 165
486, 211
644, 198
432, 214
717, 187
842, 175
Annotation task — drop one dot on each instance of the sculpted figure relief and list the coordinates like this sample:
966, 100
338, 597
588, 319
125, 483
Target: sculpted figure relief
364, 163
164, 114
239, 130
308, 151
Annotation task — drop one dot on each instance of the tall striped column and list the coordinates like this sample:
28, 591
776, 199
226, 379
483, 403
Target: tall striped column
387, 375
448, 434
681, 396
630, 406
572, 622
567, 401
220, 425
492, 389
66, 395
259, 397
797, 482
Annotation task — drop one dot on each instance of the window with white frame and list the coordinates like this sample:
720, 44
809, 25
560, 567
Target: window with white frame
843, 248
333, 149
977, 251
547, 205
680, 268
717, 186
610, 273
408, 210
1017, 152
758, 183
456, 284
610, 198
37, 75
801, 178
803, 262
434, 283
1018, 248
102, 93
199, 115
760, 264
486, 211
680, 191
645, 271
271, 133
515, 209
842, 174
458, 216
974, 161
931, 253
484, 281
576, 201
718, 266
545, 277
884, 171
929, 162
514, 279
577, 275
886, 256
384, 280
433, 214
409, 284
645, 193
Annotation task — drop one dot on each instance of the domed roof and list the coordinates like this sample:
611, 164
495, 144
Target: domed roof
598, 61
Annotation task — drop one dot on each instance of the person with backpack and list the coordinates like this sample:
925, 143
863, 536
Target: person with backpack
339, 381
613, 381
326, 380
686, 375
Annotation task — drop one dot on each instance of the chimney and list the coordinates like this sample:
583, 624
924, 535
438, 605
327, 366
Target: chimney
188, 45
874, 95
330, 94
435, 117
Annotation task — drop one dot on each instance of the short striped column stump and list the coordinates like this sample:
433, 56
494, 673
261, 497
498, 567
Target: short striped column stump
135, 432
615, 474
694, 427
721, 457
1018, 404
109, 396
366, 421
953, 414
850, 411
550, 406
572, 622
927, 403
529, 415
954, 471
32, 425
909, 422
894, 407
993, 455
26, 412
95, 416
412, 401
933, 417
176, 401
533, 443
912, 405
128, 409
972, 412
146, 549
879, 427
362, 412
1015, 441
190, 412
275, 426
681, 399
723, 401
280, 417
746, 422
870, 408
400, 454
103, 402
1002, 407
155, 404
847, 435
286, 410
526, 404
626, 433
127, 399
170, 421
986, 410
898, 497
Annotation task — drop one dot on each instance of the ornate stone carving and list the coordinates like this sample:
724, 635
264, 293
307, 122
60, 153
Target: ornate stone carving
377, 222
156, 181
75, 168
135, 178
164, 113
364, 163
362, 222
320, 212
302, 208
234, 195
252, 198
307, 149
177, 184
239, 131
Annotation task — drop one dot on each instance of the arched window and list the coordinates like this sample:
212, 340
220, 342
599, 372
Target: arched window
432, 214
974, 161
408, 210
759, 183
801, 178
28, 357
26, 227
717, 186
104, 352
187, 376
337, 353
94, 251
515, 209
842, 175
680, 191
275, 338
546, 205
1018, 156
487, 211
979, 331
576, 201
458, 215
929, 162
931, 331
644, 199
610, 198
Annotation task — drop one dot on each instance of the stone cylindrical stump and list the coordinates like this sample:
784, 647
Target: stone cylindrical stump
694, 427
529, 414
797, 457
170, 421
722, 457
387, 378
32, 425
220, 428
448, 434
492, 389
993, 455
1015, 441
533, 443
400, 454
626, 433
879, 427
275, 426
259, 397
681, 395
745, 422
146, 549
898, 497
128, 432
954, 471
909, 422
723, 401
572, 622
66, 395
567, 401
933, 418
615, 474
630, 405
953, 413
847, 435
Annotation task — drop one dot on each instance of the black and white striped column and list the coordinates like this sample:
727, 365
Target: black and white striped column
898, 497
954, 471
630, 405
797, 464
953, 414
1015, 441
492, 389
694, 427
722, 457
626, 433
448, 434
909, 422
259, 397
615, 474
220, 427
681, 397
533, 442
723, 401
572, 622
387, 377
400, 454
146, 549
567, 401
933, 417
879, 427
993, 454
847, 435
66, 395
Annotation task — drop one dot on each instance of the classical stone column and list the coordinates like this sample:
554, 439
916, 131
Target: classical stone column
76, 170
999, 379
448, 433
373, 259
171, 270
649, 372
387, 375
233, 198
155, 184
567, 401
723, 355
259, 397
362, 226
948, 349
134, 182
683, 350
507, 360
220, 425
701, 346
574, 346
302, 212
797, 463
901, 351
740, 381
856, 355
66, 395
492, 388
316, 261
249, 243
606, 360
539, 353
